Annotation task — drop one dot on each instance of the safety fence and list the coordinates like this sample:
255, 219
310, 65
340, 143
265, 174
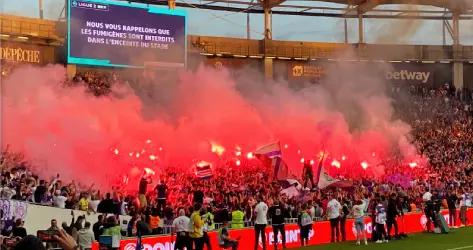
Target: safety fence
409, 223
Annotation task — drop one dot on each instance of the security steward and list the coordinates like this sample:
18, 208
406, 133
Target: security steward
237, 218
180, 226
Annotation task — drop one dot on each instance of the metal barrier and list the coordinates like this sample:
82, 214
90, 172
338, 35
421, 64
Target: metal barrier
167, 229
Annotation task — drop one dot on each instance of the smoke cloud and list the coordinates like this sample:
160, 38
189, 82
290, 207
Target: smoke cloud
174, 122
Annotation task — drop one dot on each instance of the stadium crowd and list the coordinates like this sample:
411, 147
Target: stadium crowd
442, 131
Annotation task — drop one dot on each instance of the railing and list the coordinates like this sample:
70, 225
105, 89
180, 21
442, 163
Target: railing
167, 229
20, 26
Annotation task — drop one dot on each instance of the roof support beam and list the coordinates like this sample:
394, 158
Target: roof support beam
366, 6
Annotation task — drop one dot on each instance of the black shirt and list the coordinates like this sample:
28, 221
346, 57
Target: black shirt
97, 228
39, 194
345, 210
276, 213
161, 190
19, 232
451, 201
392, 209
106, 207
142, 228
199, 197
308, 170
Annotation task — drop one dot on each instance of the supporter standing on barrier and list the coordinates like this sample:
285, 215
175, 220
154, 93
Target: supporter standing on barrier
180, 226
359, 214
276, 214
261, 212
161, 190
304, 221
143, 187
333, 213
308, 175
196, 226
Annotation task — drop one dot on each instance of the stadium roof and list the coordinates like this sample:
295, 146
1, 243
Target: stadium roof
395, 9
367, 5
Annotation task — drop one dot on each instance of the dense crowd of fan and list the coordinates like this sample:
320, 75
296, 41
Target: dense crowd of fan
442, 130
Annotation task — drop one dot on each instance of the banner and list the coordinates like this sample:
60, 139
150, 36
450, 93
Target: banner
26, 53
433, 74
13, 209
409, 223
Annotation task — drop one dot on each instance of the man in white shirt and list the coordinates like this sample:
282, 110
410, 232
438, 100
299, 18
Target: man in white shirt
333, 213
59, 200
261, 212
180, 226
465, 202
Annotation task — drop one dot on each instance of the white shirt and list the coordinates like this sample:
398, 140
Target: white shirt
261, 213
181, 224
333, 209
93, 204
359, 210
465, 200
427, 196
312, 212
60, 201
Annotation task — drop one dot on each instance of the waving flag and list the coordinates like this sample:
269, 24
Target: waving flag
203, 170
270, 150
271, 156
324, 180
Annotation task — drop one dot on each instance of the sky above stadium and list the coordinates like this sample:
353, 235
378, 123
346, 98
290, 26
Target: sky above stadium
323, 29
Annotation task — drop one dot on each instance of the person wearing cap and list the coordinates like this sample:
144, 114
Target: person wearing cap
180, 226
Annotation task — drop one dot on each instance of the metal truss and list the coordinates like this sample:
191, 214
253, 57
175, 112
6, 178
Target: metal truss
383, 9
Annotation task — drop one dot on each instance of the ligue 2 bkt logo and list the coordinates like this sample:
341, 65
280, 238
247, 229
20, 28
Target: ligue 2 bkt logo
74, 3
298, 70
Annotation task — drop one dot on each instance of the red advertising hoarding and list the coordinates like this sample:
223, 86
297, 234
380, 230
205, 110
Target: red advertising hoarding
410, 223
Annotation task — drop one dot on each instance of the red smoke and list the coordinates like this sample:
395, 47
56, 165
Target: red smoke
65, 130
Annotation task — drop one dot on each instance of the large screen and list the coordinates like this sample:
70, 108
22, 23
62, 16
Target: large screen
125, 34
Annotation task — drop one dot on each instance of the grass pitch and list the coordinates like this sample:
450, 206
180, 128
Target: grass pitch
457, 239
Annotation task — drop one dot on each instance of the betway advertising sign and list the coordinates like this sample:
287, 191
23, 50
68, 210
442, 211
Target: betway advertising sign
406, 75
409, 223
410, 73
